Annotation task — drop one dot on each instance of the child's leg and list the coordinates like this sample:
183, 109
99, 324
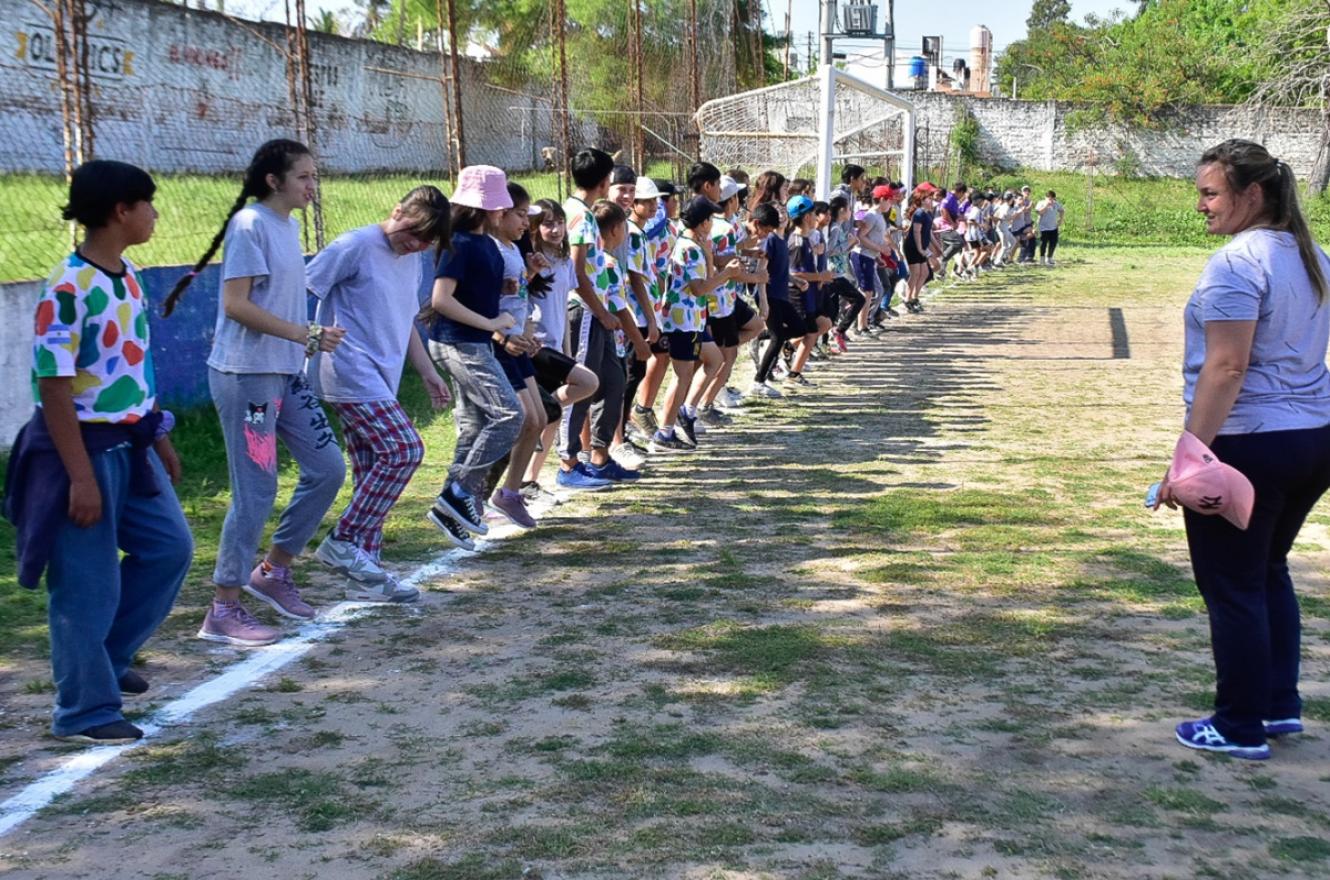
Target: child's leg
383, 430
649, 390
589, 349
704, 378
488, 415
683, 377
103, 608
305, 431
802, 352
728, 356
580, 385
247, 407
605, 411
533, 423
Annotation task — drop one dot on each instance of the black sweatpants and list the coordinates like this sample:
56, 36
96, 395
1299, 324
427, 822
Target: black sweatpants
1048, 242
783, 324
1255, 628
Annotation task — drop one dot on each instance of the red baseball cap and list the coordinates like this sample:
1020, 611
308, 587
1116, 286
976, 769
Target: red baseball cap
1204, 484
884, 192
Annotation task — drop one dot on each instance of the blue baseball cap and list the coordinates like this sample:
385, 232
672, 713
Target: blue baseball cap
798, 206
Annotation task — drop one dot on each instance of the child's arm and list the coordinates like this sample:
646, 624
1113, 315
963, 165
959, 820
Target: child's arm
62, 422
418, 357
444, 301
241, 309
638, 284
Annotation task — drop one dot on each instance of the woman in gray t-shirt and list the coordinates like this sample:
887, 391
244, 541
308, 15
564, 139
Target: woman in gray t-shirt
1258, 393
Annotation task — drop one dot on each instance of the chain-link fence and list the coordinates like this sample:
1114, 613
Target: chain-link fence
189, 94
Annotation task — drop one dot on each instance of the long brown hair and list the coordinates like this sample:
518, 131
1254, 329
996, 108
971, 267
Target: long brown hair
1247, 162
274, 157
766, 189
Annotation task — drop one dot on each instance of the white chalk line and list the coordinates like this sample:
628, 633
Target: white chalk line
39, 793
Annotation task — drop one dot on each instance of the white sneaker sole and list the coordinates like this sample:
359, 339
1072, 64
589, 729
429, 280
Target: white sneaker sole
462, 521
464, 543
274, 604
382, 598
232, 640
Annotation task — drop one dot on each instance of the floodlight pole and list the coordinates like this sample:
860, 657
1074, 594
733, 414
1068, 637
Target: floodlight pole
827, 130
828, 30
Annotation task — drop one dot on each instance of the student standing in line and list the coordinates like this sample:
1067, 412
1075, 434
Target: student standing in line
256, 376
90, 474
367, 282
1050, 213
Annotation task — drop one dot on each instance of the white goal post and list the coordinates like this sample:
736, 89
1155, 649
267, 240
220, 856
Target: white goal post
810, 124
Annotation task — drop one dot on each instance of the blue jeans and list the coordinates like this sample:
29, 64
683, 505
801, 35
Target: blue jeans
1255, 626
102, 607
488, 414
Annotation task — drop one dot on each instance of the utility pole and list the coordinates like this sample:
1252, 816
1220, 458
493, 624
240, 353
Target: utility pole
889, 40
789, 37
828, 31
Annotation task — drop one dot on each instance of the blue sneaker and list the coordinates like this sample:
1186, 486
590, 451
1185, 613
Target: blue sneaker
1202, 734
582, 478
614, 471
1283, 726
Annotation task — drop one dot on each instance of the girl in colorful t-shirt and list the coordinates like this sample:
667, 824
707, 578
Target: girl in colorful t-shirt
256, 377
91, 472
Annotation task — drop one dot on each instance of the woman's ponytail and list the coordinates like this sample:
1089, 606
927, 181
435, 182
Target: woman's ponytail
1290, 217
274, 157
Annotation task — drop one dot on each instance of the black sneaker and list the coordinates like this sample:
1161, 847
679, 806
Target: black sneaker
662, 443
133, 684
447, 524
461, 507
685, 431
114, 733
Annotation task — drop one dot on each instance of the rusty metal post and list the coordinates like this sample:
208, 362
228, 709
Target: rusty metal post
459, 145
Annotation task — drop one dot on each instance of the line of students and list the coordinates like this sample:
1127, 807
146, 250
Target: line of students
555, 325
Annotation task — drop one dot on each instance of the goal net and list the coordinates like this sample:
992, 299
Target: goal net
784, 127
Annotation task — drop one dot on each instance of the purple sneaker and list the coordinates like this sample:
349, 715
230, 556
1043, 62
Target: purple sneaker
1202, 734
511, 505
278, 590
230, 623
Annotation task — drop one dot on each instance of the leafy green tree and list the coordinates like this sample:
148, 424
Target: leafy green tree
1046, 13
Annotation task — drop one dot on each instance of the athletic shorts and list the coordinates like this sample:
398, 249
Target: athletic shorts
865, 272
806, 310
743, 313
552, 368
517, 369
724, 331
706, 332
680, 345
828, 302
993, 237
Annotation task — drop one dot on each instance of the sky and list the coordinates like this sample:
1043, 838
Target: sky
952, 19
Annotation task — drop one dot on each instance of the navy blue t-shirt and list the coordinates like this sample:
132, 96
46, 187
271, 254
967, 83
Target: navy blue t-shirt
778, 267
475, 263
925, 221
802, 259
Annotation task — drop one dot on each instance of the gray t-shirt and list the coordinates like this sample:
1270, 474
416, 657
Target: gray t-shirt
264, 246
365, 287
550, 312
513, 300
1259, 276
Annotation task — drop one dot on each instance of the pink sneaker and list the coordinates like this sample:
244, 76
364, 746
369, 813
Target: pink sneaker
278, 590
511, 505
230, 623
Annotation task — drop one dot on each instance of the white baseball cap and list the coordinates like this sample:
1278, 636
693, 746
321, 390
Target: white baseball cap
646, 189
728, 187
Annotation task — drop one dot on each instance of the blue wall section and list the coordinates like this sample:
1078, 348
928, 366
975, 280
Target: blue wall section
181, 343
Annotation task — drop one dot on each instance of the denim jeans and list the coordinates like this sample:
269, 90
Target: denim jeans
255, 410
488, 414
1255, 630
102, 607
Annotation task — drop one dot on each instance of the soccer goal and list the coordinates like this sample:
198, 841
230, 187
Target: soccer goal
805, 127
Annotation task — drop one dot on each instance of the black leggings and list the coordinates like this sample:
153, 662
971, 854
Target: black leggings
1048, 242
783, 324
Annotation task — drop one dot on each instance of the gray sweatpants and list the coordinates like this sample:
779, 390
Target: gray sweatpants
593, 347
255, 410
488, 414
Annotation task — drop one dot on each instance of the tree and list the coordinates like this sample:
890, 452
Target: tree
1046, 13
325, 23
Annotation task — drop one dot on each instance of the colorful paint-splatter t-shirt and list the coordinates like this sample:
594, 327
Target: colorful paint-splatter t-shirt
583, 230
724, 243
92, 327
639, 263
681, 310
660, 244
616, 300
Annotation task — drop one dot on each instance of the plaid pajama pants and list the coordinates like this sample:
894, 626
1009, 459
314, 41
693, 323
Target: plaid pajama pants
385, 451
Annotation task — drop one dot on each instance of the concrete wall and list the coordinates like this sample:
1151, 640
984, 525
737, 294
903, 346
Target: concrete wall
177, 89
1041, 135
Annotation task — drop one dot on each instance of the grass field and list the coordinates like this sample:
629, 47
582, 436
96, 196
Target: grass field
912, 624
1101, 210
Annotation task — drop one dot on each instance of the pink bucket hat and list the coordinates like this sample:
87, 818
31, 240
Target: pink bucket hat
484, 187
1203, 483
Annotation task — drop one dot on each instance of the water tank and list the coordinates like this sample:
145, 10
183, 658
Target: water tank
981, 58
918, 67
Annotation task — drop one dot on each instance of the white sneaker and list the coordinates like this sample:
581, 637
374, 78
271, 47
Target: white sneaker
1050, 262
390, 590
350, 560
627, 456
762, 389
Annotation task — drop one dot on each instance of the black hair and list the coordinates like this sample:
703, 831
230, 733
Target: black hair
518, 194
467, 218
1246, 162
276, 157
959, 186
590, 168
836, 205
431, 215
701, 174
765, 214
622, 174
98, 186
851, 173
697, 211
